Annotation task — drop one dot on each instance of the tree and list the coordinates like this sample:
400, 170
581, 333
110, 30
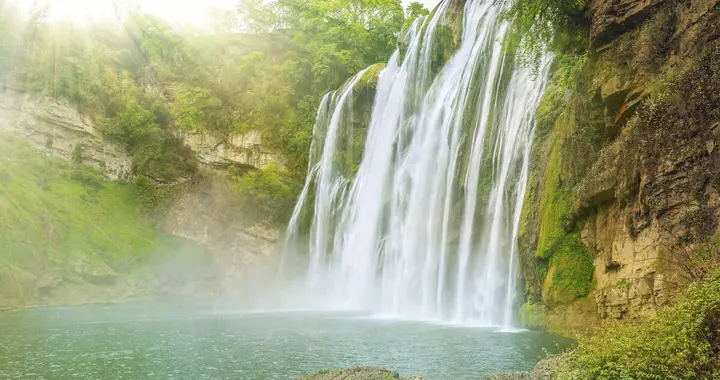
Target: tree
413, 11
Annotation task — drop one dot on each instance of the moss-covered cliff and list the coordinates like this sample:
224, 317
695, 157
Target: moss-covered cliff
69, 236
623, 188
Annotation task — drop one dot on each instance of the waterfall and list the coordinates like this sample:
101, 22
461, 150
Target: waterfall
427, 226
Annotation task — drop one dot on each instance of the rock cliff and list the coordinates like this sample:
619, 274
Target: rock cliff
57, 129
209, 213
244, 150
204, 211
629, 169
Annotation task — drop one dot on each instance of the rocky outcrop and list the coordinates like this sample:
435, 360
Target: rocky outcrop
243, 150
542, 371
210, 214
357, 373
57, 129
615, 17
634, 157
207, 213
610, 19
653, 191
16, 285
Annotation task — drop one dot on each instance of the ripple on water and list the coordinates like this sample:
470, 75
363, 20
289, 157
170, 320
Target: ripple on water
137, 341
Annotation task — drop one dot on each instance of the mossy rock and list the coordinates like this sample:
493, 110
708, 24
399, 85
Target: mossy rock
371, 76
357, 373
571, 272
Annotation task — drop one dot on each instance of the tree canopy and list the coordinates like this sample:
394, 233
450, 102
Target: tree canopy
263, 66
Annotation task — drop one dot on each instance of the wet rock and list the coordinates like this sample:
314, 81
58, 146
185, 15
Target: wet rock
16, 286
96, 273
357, 373
542, 371
46, 283
208, 214
610, 19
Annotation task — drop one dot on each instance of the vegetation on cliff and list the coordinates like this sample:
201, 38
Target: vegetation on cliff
681, 342
262, 67
625, 153
61, 222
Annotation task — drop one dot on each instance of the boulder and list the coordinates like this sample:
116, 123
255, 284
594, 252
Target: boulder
357, 373
542, 371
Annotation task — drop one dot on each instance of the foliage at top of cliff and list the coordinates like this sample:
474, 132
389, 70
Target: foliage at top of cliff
263, 67
558, 26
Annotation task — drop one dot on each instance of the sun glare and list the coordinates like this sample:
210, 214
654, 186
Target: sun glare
190, 12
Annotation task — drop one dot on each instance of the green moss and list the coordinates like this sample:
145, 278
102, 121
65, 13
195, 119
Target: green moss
60, 216
371, 76
532, 315
555, 207
572, 267
623, 284
527, 214
447, 35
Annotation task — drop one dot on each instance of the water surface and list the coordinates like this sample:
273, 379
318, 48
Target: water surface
146, 341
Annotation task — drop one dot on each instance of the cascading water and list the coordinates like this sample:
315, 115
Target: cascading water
426, 228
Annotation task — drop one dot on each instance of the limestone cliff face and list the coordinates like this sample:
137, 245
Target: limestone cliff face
209, 213
59, 130
206, 211
649, 193
244, 150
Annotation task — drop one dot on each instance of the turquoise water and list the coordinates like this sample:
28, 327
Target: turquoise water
148, 341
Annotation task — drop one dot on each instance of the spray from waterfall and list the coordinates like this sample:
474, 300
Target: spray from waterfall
426, 227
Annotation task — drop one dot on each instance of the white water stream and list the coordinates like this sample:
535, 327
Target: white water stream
427, 227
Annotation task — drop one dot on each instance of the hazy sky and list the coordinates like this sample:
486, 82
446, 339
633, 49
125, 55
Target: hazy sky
183, 11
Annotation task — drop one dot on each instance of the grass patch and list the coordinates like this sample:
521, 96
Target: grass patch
64, 217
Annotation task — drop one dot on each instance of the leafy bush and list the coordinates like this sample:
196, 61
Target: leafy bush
267, 192
536, 25
682, 342
196, 109
152, 198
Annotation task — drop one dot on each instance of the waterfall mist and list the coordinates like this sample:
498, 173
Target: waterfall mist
425, 227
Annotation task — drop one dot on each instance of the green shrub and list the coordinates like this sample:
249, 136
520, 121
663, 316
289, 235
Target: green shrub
152, 198
266, 192
537, 25
682, 342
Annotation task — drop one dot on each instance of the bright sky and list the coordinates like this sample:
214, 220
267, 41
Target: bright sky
180, 11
